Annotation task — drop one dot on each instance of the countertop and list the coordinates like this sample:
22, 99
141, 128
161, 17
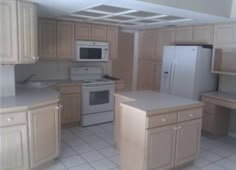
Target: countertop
28, 98
221, 96
153, 102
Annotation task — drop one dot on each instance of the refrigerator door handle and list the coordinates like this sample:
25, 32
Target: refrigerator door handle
170, 77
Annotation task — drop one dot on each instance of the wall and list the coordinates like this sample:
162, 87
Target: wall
53, 70
228, 84
7, 79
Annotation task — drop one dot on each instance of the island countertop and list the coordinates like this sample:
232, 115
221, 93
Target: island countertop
154, 102
28, 98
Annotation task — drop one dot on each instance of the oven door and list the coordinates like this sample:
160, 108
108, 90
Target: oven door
97, 98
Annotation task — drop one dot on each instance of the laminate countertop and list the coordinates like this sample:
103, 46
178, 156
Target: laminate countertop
28, 98
153, 102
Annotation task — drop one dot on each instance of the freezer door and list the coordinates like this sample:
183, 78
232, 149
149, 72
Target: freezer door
167, 68
184, 71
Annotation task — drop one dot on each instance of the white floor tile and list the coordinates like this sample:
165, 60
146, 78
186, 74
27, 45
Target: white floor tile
115, 159
82, 167
212, 167
191, 167
200, 162
91, 139
99, 145
92, 156
210, 156
103, 164
56, 165
108, 151
73, 161
84, 148
227, 164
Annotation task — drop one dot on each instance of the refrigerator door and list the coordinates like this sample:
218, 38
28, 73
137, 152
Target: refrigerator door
184, 71
167, 68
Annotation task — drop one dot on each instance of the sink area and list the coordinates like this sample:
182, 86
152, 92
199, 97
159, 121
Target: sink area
38, 84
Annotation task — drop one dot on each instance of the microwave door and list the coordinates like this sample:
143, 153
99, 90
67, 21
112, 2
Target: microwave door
90, 54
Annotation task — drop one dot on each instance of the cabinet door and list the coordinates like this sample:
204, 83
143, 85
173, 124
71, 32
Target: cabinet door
164, 37
161, 148
184, 35
99, 32
47, 39
225, 34
65, 40
27, 24
188, 141
147, 44
157, 76
112, 38
203, 34
14, 148
70, 108
8, 32
43, 134
83, 31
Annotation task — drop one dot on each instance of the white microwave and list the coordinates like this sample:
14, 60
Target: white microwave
92, 51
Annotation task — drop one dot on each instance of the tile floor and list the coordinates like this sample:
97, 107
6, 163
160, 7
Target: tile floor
92, 148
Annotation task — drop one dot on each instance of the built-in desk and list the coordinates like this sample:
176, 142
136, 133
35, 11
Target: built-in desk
216, 112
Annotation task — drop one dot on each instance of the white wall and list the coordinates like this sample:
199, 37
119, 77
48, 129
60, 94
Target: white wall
228, 84
53, 70
212, 7
7, 80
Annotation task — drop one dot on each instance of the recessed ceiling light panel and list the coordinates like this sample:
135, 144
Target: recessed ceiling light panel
170, 18
110, 9
89, 14
143, 14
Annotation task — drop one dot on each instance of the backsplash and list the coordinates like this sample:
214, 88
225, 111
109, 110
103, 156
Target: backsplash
54, 70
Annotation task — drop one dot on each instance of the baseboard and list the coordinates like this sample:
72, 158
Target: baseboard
232, 134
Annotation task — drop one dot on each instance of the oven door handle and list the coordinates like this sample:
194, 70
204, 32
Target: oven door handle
110, 87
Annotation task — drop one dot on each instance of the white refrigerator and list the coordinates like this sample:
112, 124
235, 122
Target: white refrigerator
186, 71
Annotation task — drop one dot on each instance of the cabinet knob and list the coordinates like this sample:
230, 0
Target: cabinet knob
180, 127
163, 120
35, 58
9, 119
175, 128
191, 115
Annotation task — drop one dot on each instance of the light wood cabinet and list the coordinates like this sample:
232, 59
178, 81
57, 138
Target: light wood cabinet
47, 39
161, 148
71, 104
83, 31
99, 32
203, 34
147, 44
184, 35
225, 34
188, 140
112, 38
65, 40
43, 134
14, 148
18, 33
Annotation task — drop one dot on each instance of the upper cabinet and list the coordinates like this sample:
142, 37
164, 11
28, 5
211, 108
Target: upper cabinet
184, 34
99, 32
83, 31
47, 39
18, 33
65, 40
203, 34
112, 38
225, 34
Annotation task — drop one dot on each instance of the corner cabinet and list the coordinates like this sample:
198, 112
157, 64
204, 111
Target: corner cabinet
18, 33
43, 134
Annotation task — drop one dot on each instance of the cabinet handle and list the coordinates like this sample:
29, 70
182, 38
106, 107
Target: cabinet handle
191, 115
35, 58
163, 120
9, 119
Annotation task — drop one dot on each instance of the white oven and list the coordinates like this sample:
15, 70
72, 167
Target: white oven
92, 51
97, 98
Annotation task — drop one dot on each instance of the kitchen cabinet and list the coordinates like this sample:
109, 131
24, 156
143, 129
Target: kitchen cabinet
147, 44
187, 142
71, 104
149, 74
119, 85
47, 39
112, 38
225, 34
99, 32
184, 35
164, 37
159, 141
18, 33
65, 40
14, 147
43, 134
203, 34
83, 31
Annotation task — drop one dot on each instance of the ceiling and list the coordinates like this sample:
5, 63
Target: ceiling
133, 14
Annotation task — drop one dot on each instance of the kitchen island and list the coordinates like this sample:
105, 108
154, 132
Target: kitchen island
29, 128
156, 131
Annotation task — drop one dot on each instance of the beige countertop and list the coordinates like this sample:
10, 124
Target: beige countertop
28, 98
221, 96
154, 102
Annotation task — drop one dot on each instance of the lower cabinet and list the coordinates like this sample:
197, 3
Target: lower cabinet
173, 145
43, 134
14, 148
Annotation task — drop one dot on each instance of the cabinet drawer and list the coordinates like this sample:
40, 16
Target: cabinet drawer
12, 119
189, 114
70, 89
161, 120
